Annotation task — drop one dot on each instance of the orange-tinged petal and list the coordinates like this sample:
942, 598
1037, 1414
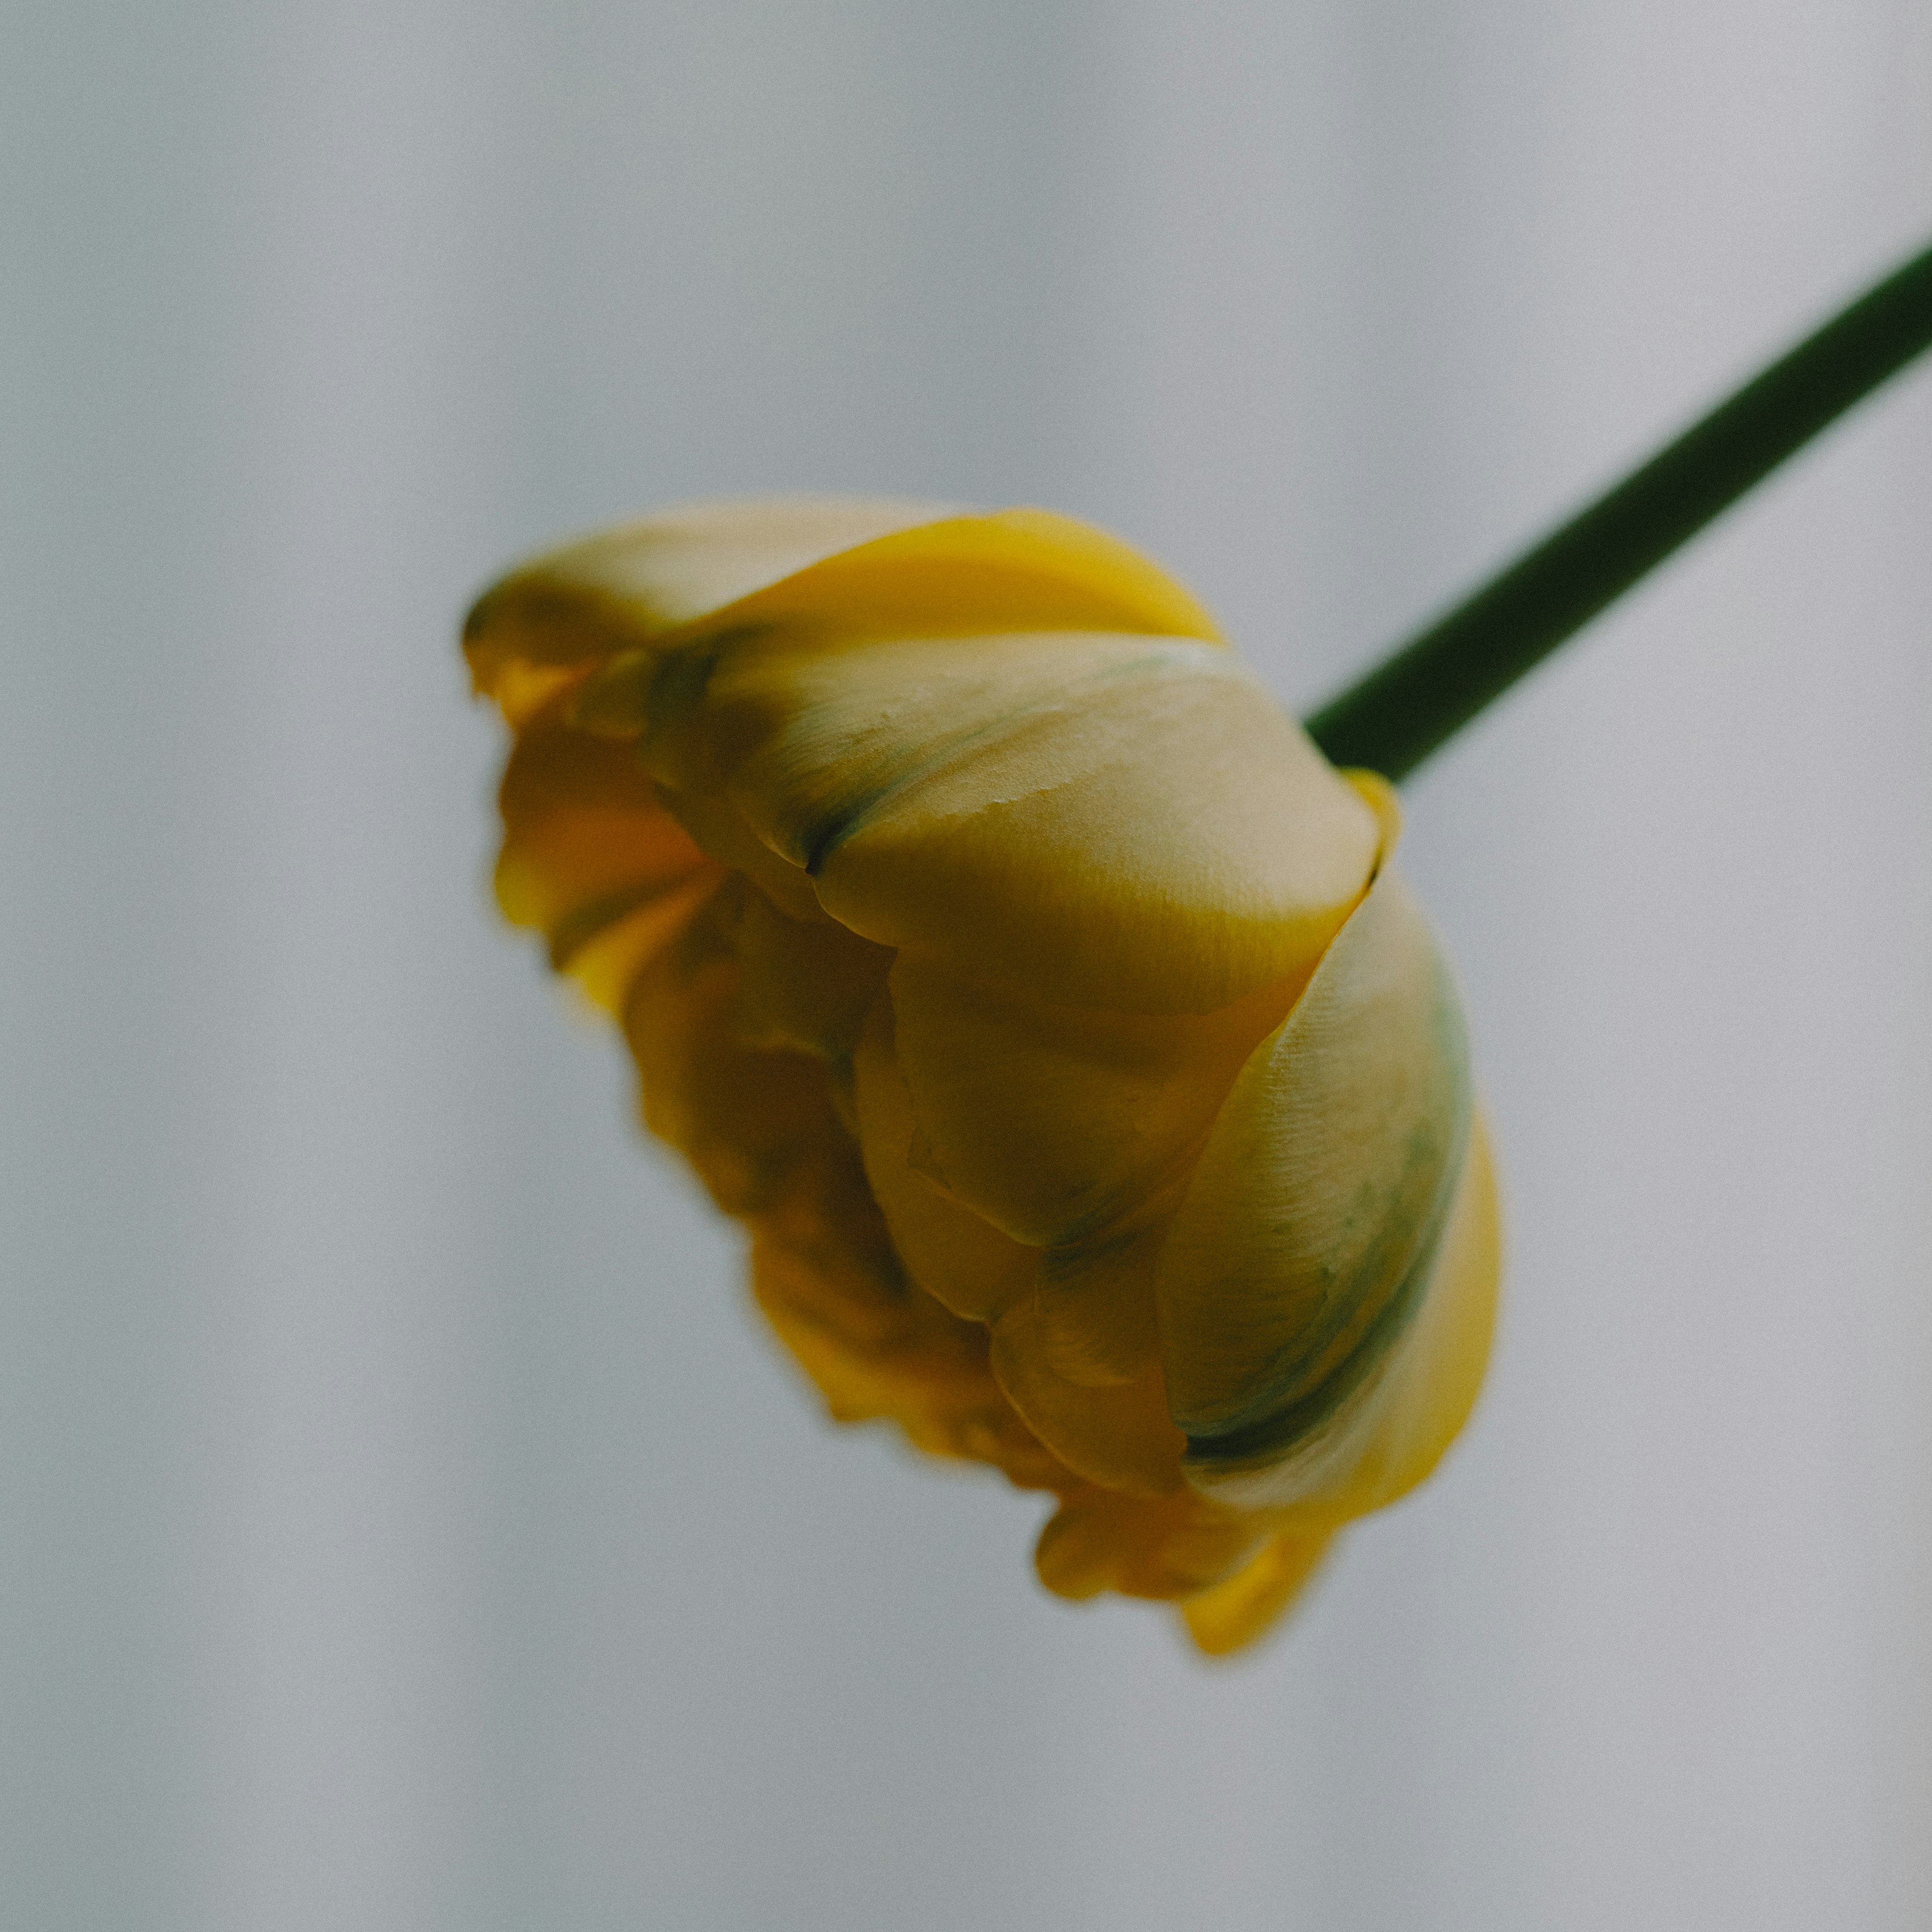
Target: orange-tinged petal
1164, 1548
749, 1122
898, 1364
606, 966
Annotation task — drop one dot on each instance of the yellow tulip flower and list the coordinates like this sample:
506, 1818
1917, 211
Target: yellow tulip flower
999, 952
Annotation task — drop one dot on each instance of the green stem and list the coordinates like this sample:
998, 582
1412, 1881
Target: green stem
1427, 689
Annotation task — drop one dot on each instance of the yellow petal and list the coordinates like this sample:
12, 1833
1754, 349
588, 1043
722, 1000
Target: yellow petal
1057, 1123
1232, 1614
1000, 570
851, 566
1171, 1547
623, 587
894, 1356
951, 1252
1097, 1320
804, 986
1296, 1269
585, 842
1161, 839
751, 1124
1429, 1389
606, 966
1116, 1434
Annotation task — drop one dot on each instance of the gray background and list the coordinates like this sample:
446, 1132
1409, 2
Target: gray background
402, 1523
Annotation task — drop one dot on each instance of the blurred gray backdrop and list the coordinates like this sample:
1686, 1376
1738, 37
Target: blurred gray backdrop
402, 1524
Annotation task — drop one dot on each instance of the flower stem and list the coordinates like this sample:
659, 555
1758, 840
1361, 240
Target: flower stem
1428, 688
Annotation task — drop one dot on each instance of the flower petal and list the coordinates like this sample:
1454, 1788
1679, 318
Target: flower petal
1296, 1268
851, 565
1160, 838
1117, 1435
1232, 1614
585, 839
592, 859
621, 588
804, 986
1057, 1123
1432, 1384
751, 1124
1172, 1547
951, 1251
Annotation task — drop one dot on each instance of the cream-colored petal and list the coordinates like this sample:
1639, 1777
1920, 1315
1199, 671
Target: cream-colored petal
1296, 1269
812, 735
1409, 1419
1162, 838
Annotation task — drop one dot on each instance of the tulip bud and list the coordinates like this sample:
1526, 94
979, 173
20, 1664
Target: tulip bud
994, 945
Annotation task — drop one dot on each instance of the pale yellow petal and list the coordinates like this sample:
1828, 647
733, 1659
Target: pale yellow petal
1296, 1268
1162, 838
1425, 1397
812, 734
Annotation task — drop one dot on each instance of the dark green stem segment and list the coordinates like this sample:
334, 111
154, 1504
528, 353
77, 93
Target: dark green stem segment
1428, 688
